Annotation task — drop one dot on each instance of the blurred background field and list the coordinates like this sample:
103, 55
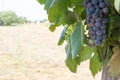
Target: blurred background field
30, 52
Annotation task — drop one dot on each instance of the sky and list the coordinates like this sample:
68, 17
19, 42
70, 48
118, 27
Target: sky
30, 9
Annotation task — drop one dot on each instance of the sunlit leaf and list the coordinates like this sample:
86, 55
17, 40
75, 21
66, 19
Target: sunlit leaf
95, 64
62, 36
85, 53
71, 63
77, 39
117, 5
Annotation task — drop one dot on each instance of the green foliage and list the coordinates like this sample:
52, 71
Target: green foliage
77, 39
95, 64
62, 37
86, 53
9, 18
70, 62
72, 13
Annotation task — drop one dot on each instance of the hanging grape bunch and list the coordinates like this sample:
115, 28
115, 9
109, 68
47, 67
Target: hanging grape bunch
97, 20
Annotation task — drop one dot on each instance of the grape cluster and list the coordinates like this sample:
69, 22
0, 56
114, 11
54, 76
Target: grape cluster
97, 20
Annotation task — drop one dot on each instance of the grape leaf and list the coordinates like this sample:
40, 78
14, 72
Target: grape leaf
117, 5
71, 63
75, 2
52, 27
114, 63
77, 39
95, 64
49, 4
42, 1
55, 9
62, 36
85, 53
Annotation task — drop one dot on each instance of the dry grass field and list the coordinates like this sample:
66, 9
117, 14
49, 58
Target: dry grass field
30, 52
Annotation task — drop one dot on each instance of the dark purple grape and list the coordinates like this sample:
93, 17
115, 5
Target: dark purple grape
105, 10
92, 9
103, 26
93, 36
98, 19
89, 4
105, 20
103, 31
97, 42
100, 15
102, 4
98, 32
96, 6
92, 32
97, 11
104, 37
107, 3
95, 28
100, 0
92, 21
98, 24
89, 12
94, 15
94, 2
99, 38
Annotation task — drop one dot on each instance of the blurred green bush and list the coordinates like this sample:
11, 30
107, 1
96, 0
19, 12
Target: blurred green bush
8, 18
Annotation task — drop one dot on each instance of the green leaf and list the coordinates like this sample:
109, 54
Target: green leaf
75, 2
114, 26
52, 27
49, 4
62, 36
42, 1
95, 64
69, 17
77, 39
81, 12
86, 53
55, 9
117, 5
71, 63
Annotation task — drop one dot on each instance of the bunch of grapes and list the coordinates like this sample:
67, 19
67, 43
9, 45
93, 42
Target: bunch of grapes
97, 20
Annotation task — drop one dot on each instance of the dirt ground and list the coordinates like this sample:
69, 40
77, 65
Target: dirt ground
30, 52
